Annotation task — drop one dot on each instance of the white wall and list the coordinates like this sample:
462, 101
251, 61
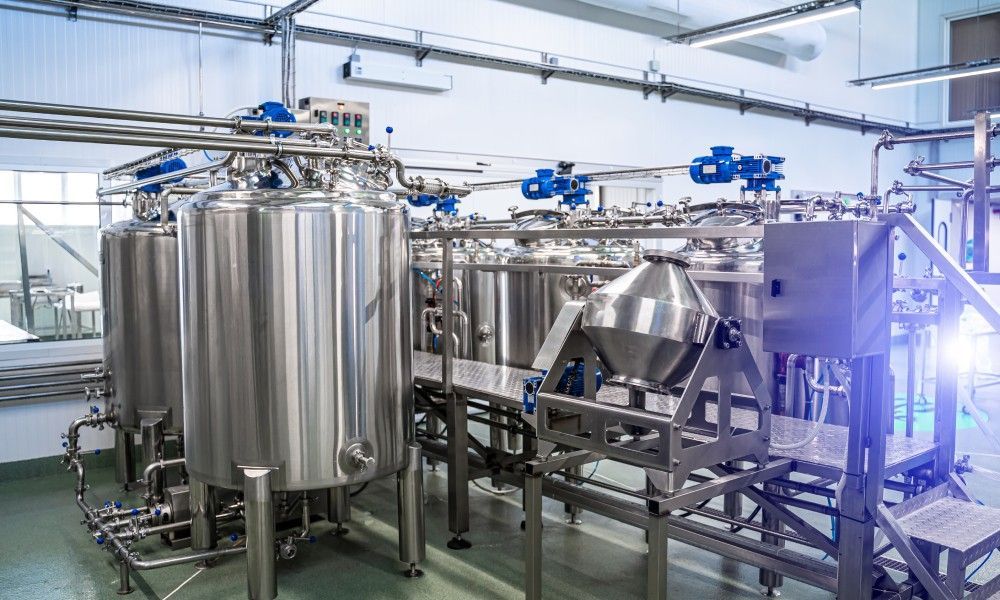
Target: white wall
508, 119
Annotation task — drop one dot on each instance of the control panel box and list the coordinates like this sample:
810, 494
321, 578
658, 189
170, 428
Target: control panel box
827, 288
352, 119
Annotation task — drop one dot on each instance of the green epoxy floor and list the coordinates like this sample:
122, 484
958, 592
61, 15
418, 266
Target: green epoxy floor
46, 553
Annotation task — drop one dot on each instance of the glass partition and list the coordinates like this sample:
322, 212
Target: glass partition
49, 245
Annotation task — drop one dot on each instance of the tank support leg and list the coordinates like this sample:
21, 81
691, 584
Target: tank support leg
124, 458
458, 471
262, 583
339, 500
410, 490
152, 451
656, 568
771, 580
533, 536
204, 534
573, 512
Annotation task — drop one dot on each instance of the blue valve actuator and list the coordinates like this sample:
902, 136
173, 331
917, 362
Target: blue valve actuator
167, 166
759, 172
97, 452
135, 511
233, 537
389, 129
99, 540
118, 503
546, 184
158, 512
94, 410
312, 539
274, 112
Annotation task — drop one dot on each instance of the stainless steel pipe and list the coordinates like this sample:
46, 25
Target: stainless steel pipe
258, 513
152, 451
276, 148
157, 117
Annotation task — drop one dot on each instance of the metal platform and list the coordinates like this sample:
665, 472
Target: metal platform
824, 457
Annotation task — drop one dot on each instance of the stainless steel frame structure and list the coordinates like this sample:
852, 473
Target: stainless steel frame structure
904, 487
197, 508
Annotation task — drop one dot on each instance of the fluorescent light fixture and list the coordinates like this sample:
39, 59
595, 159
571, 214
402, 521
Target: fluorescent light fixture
808, 12
775, 25
969, 72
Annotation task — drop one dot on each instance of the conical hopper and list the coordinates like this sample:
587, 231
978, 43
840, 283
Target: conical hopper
649, 325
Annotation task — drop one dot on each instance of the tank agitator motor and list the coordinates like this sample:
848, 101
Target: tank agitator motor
167, 166
447, 205
760, 172
272, 112
546, 184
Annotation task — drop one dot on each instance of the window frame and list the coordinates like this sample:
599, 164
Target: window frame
56, 351
945, 90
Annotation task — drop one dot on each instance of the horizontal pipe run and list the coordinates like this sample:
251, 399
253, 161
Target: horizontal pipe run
630, 233
937, 137
265, 146
181, 134
40, 395
218, 164
118, 114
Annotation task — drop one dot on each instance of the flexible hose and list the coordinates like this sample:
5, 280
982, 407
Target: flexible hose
819, 422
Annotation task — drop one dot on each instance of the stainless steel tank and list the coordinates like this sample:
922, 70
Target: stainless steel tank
295, 319
476, 299
142, 348
529, 301
734, 299
649, 326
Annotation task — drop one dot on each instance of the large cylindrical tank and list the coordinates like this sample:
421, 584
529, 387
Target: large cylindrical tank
475, 293
142, 348
734, 299
529, 301
295, 320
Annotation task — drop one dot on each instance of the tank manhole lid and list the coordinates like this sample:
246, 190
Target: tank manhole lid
654, 255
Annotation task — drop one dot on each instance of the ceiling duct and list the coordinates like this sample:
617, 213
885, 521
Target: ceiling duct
804, 42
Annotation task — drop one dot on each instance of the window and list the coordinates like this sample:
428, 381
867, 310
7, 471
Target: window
49, 239
974, 38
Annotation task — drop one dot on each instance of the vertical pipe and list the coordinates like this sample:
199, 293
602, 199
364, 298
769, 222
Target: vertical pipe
911, 378
124, 458
410, 491
533, 537
152, 451
980, 196
124, 585
262, 583
339, 511
204, 534
656, 567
